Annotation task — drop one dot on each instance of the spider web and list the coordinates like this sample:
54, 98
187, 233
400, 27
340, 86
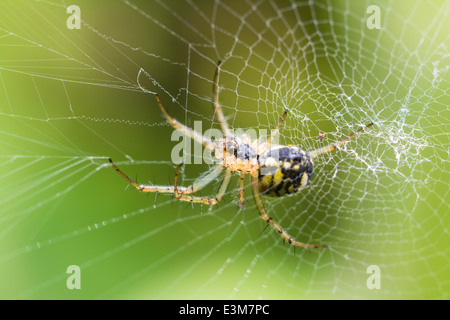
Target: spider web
69, 100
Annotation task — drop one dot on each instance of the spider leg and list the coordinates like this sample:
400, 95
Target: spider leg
277, 128
216, 105
336, 145
263, 213
182, 128
241, 190
181, 195
197, 185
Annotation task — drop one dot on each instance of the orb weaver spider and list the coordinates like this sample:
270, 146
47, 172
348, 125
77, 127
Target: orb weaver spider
287, 169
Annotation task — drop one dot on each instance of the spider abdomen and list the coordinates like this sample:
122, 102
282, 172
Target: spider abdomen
284, 170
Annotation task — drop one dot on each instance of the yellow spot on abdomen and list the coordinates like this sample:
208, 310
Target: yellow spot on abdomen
304, 180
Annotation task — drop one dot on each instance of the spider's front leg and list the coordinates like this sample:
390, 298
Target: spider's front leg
263, 214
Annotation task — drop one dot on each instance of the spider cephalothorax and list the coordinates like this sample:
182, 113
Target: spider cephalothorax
274, 170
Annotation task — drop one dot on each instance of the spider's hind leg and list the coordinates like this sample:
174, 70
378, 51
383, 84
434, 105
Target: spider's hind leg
181, 195
197, 185
337, 144
263, 214
277, 128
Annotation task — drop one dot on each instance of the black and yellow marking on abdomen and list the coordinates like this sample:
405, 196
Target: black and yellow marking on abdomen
284, 170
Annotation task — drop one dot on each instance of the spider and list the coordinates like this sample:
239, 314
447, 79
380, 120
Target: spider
275, 170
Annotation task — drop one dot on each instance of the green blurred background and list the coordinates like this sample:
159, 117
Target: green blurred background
69, 100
